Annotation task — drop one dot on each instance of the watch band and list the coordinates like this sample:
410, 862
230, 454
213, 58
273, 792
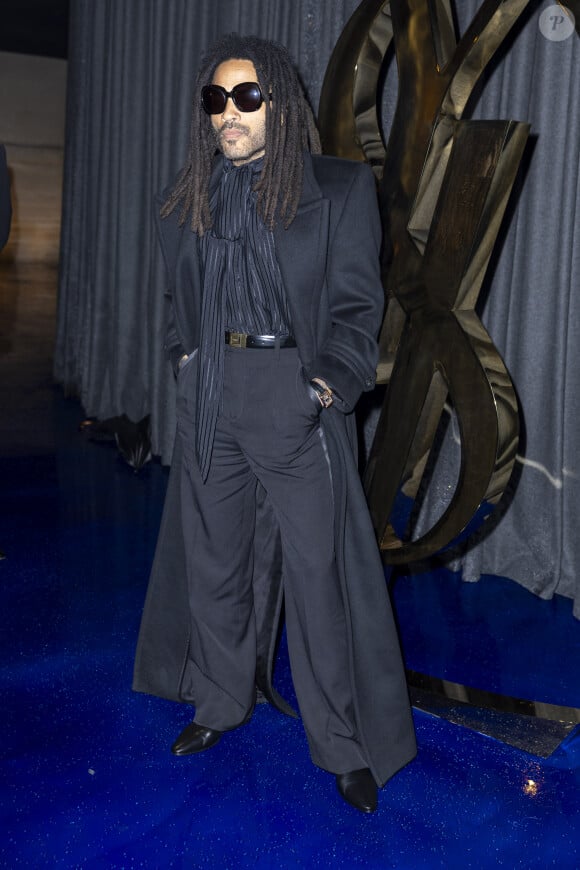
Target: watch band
324, 394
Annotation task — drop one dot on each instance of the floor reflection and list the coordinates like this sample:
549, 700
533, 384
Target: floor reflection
88, 779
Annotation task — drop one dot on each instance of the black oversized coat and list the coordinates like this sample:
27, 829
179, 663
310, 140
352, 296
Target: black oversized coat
328, 259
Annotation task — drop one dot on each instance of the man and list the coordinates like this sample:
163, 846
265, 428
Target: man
275, 303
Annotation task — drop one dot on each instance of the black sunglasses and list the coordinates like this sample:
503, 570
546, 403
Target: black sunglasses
247, 97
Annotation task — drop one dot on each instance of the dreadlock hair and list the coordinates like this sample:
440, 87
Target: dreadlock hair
290, 130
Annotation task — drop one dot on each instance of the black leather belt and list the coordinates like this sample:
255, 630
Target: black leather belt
241, 339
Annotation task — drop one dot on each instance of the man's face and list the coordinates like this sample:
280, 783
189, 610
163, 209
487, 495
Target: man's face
241, 136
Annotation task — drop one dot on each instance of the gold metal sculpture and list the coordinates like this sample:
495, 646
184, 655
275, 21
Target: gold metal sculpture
443, 187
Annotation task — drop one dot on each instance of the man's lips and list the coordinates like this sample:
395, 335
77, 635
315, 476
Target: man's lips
230, 134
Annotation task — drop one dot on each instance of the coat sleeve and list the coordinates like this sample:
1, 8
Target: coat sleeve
174, 350
348, 358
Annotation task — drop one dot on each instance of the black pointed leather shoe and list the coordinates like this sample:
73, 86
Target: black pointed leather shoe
195, 738
359, 789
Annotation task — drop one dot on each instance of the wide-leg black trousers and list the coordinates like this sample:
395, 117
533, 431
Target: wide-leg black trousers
267, 431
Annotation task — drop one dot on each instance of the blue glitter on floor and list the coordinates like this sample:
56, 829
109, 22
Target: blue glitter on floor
87, 777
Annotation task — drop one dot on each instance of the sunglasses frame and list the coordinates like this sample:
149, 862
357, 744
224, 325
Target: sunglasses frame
232, 95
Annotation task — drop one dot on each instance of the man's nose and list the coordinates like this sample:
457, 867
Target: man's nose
230, 110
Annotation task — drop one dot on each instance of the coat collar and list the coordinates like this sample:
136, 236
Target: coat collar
310, 189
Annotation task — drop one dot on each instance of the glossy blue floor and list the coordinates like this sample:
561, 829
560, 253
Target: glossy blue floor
87, 776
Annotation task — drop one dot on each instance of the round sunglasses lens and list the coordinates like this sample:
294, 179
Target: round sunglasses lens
213, 99
247, 97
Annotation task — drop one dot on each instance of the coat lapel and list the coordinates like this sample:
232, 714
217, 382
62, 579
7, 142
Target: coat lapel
301, 252
188, 283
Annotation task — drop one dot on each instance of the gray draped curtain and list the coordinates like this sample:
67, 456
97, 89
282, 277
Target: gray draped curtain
131, 68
